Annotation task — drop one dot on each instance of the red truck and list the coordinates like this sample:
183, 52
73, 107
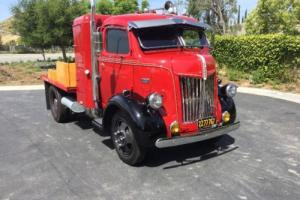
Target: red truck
150, 79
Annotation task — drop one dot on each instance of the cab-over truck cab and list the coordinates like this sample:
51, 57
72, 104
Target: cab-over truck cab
150, 78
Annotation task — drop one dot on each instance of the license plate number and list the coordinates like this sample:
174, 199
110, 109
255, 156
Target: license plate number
206, 123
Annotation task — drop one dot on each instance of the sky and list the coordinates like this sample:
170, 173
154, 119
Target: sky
5, 6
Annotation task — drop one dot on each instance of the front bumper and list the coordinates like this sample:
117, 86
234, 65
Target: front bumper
204, 135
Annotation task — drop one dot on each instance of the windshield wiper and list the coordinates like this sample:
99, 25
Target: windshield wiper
195, 46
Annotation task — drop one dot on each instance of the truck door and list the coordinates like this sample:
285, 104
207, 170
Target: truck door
115, 68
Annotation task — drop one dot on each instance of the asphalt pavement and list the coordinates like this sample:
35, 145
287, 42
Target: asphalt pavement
40, 159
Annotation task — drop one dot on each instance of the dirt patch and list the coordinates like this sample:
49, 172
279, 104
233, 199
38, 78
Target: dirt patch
18, 76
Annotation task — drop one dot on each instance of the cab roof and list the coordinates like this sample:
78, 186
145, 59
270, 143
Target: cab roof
146, 20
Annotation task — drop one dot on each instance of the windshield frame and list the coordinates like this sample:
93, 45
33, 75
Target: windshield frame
180, 38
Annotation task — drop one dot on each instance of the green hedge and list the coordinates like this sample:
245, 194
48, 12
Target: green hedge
265, 57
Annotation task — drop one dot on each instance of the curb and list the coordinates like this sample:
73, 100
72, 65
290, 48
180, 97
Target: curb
254, 91
271, 93
21, 88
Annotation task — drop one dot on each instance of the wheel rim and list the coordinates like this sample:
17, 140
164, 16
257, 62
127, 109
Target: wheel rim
122, 138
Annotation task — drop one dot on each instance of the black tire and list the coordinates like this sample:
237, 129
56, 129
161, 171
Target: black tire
59, 112
123, 137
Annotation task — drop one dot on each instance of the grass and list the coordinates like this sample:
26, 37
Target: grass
255, 80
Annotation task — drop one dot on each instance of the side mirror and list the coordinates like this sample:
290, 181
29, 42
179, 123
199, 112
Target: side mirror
98, 41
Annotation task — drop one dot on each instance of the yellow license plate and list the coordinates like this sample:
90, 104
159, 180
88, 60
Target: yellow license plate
206, 123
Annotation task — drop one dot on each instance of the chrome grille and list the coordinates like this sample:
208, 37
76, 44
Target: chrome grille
197, 98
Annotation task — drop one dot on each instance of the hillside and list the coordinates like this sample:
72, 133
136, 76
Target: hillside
6, 32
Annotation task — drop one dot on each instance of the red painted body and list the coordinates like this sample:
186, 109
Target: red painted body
124, 72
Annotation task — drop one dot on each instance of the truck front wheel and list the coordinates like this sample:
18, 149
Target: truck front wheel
59, 112
122, 134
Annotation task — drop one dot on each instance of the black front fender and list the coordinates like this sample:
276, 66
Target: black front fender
227, 104
149, 123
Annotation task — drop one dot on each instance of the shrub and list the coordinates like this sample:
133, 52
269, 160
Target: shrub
235, 75
267, 57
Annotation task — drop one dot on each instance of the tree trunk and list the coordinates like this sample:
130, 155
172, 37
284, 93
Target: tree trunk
222, 21
43, 54
218, 14
63, 49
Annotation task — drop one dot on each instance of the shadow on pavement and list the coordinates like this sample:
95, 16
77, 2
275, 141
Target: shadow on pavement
190, 154
182, 155
87, 123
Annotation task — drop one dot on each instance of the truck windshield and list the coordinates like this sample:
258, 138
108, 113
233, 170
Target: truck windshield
171, 37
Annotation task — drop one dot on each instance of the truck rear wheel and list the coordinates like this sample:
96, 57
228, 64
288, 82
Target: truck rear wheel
122, 134
59, 112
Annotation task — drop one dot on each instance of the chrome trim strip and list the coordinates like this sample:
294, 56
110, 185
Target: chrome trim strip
205, 135
204, 66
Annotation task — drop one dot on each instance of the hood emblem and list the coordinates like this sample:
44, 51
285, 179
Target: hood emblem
204, 66
145, 80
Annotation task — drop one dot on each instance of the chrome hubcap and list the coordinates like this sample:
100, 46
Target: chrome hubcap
122, 138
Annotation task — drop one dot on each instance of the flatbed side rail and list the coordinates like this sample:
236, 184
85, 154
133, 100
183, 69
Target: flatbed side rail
58, 85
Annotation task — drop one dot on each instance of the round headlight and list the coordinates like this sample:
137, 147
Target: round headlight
231, 90
155, 101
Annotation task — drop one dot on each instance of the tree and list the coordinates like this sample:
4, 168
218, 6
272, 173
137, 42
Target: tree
87, 6
56, 19
215, 12
105, 7
125, 6
1, 42
43, 23
274, 16
12, 46
145, 5
25, 23
239, 15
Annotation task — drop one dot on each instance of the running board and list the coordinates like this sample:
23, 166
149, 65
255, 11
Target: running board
98, 123
72, 105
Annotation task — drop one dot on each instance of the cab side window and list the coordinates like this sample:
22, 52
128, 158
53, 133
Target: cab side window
117, 41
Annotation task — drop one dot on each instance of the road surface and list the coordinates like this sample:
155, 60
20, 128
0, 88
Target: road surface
28, 57
40, 159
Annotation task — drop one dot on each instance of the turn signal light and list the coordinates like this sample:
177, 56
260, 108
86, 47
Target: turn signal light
226, 116
175, 129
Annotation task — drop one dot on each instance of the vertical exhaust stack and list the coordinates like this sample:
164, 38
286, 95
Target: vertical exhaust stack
95, 71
